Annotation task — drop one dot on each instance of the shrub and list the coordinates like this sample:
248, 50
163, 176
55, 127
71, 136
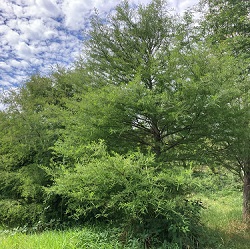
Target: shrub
130, 190
14, 213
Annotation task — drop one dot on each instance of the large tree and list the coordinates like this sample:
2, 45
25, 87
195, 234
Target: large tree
155, 83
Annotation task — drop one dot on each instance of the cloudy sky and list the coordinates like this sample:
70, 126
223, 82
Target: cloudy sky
36, 35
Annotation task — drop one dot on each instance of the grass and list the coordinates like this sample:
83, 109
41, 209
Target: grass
70, 239
53, 240
221, 217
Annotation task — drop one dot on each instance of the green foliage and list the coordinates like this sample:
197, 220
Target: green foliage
129, 43
76, 238
221, 219
227, 25
126, 189
210, 182
156, 84
29, 126
158, 97
15, 213
227, 22
174, 118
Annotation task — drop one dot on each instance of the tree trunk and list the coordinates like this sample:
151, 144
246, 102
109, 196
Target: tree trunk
155, 131
246, 197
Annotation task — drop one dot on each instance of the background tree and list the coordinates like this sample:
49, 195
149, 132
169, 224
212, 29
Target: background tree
227, 26
30, 125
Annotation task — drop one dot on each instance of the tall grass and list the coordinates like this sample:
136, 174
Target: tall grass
222, 218
221, 195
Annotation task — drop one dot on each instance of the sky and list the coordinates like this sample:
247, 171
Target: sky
38, 35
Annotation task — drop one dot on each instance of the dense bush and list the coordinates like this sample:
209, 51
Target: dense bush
146, 199
15, 213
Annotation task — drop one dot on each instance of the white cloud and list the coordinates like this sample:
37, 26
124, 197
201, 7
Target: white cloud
76, 12
4, 29
20, 64
49, 34
7, 81
4, 65
2, 106
33, 29
18, 10
24, 51
184, 4
12, 37
49, 8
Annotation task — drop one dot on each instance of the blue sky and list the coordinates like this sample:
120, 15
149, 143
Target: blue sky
37, 35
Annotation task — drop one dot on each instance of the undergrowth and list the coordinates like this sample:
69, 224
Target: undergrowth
221, 217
